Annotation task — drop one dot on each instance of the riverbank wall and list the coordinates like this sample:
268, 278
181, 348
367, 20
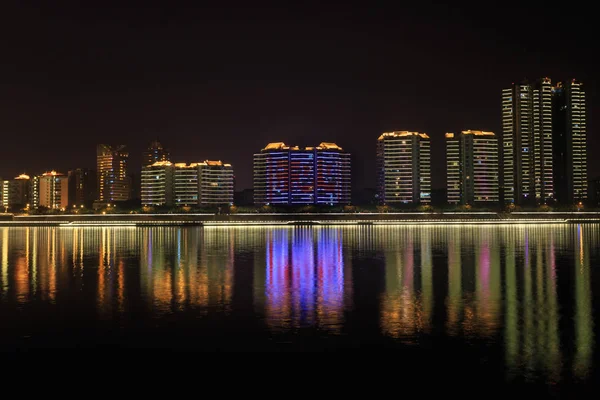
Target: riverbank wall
404, 218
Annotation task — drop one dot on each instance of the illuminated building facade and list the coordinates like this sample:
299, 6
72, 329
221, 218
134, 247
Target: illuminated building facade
209, 183
155, 152
215, 183
15, 193
544, 143
34, 191
332, 175
113, 181
272, 175
570, 153
290, 175
19, 191
472, 167
302, 176
157, 184
82, 187
4, 194
453, 178
54, 190
185, 184
527, 161
404, 168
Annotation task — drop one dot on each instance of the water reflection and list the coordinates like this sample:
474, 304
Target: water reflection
527, 290
304, 282
182, 268
407, 300
584, 335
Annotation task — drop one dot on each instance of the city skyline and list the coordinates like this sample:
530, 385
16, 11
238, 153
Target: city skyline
337, 75
163, 154
541, 159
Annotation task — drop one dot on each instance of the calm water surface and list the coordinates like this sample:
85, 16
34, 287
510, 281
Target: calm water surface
516, 301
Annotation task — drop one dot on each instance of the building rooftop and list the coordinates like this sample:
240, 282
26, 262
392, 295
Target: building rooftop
280, 146
402, 134
283, 146
52, 173
22, 176
478, 133
161, 164
191, 165
328, 146
184, 165
215, 163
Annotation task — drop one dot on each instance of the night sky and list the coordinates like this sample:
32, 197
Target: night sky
220, 83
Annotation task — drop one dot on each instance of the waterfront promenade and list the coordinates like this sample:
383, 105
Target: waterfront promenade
206, 219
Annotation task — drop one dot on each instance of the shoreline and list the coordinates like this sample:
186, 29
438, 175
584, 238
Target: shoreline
301, 219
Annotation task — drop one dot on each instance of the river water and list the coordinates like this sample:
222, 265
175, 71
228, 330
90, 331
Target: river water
518, 302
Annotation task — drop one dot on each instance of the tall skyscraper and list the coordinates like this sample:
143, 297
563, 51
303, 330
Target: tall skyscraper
155, 152
544, 143
404, 168
113, 181
290, 175
82, 187
472, 167
570, 142
527, 161
54, 190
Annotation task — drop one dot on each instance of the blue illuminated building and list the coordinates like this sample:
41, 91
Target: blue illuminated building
290, 175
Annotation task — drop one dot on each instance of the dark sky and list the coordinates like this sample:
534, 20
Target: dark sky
220, 83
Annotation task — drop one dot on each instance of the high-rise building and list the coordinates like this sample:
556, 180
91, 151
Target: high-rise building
570, 147
215, 182
302, 176
472, 167
272, 174
185, 184
4, 190
82, 187
544, 143
527, 162
453, 175
332, 175
157, 184
54, 190
19, 191
290, 175
113, 181
15, 193
209, 183
34, 192
404, 168
155, 152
